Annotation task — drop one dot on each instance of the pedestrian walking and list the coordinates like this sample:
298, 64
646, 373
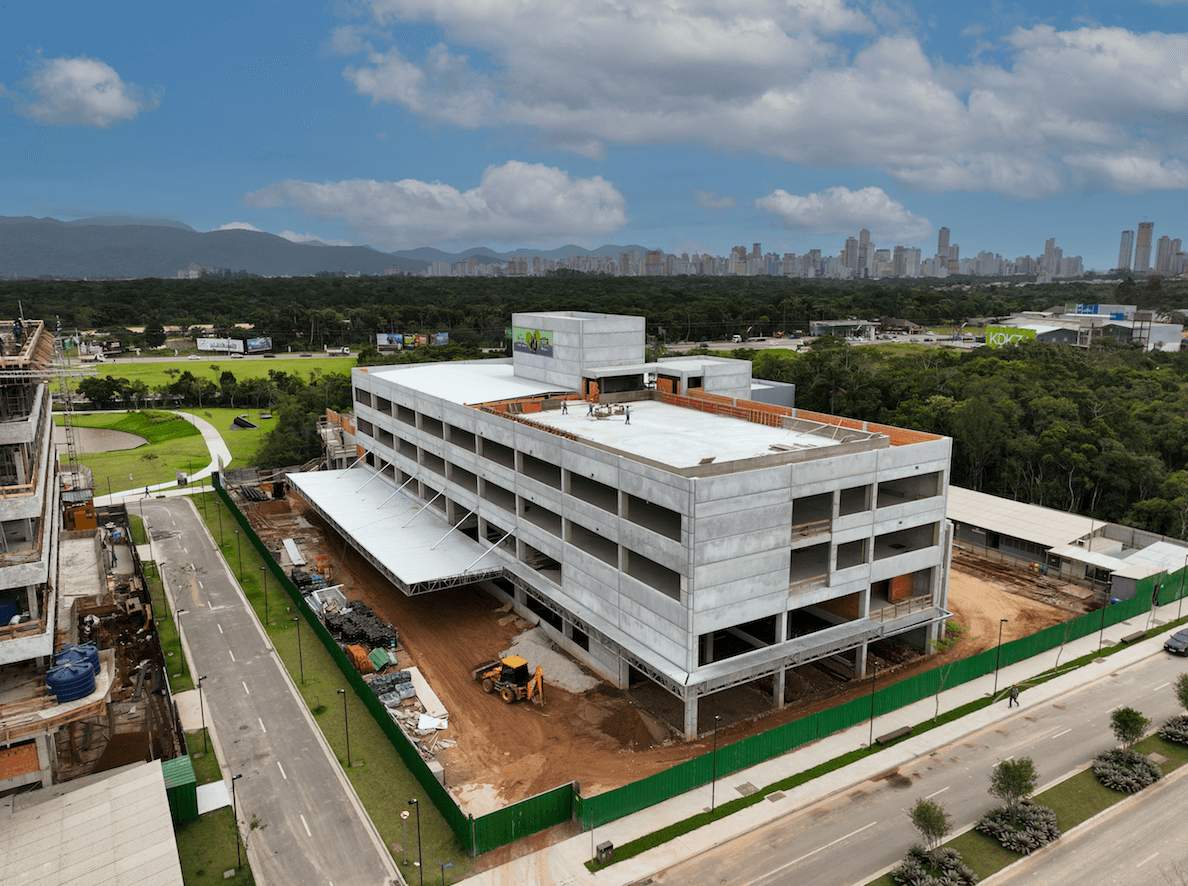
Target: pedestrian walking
1014, 694
628, 412
590, 411
564, 408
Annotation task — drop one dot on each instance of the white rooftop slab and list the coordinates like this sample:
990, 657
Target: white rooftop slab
679, 437
111, 830
1078, 554
465, 383
413, 543
1159, 557
1044, 526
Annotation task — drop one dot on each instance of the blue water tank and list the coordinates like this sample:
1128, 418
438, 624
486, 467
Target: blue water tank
71, 682
83, 652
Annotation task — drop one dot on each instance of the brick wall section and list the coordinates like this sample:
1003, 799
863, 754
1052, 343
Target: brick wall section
18, 761
665, 386
903, 586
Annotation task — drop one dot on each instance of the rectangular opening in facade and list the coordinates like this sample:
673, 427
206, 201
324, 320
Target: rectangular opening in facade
500, 454
542, 563
905, 541
499, 496
900, 589
389, 471
854, 500
382, 404
365, 427
463, 478
905, 489
812, 515
405, 448
841, 609
363, 397
654, 517
435, 463
620, 384
385, 437
851, 553
735, 640
547, 615
541, 471
494, 532
590, 490
802, 623
540, 516
461, 438
406, 415
580, 638
592, 543
433, 427
435, 498
809, 566
651, 573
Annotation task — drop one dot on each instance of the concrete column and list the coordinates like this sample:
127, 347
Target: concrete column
777, 689
860, 662
709, 647
691, 718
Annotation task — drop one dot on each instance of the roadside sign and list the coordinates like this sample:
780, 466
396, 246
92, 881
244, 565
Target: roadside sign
404, 814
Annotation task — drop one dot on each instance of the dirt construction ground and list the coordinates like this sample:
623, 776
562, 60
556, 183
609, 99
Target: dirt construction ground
608, 737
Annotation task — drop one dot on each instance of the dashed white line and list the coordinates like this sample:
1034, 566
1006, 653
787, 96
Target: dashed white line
245, 689
938, 793
282, 769
220, 627
232, 654
1145, 860
262, 729
1065, 732
200, 585
796, 861
186, 550
304, 822
1164, 686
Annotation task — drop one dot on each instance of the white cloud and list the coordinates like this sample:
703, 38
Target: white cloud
775, 78
711, 200
312, 238
514, 202
238, 226
840, 210
79, 92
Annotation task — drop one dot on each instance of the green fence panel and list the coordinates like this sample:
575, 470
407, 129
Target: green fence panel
521, 819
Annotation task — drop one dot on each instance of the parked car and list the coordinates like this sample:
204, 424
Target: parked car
193, 357
1177, 643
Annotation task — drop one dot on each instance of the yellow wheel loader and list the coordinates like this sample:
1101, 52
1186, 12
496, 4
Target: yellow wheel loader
510, 678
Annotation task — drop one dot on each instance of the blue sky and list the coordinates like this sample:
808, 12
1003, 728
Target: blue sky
685, 125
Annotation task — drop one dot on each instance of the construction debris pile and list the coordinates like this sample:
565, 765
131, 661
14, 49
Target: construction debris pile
358, 625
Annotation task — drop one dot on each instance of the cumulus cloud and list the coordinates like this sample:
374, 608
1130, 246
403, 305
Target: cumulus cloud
238, 226
515, 201
816, 82
840, 210
78, 91
313, 238
711, 200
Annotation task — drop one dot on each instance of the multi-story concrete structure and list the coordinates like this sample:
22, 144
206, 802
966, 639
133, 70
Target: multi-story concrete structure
660, 524
1142, 247
1125, 250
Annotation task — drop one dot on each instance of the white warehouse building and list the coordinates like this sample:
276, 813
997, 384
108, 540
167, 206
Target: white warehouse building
659, 523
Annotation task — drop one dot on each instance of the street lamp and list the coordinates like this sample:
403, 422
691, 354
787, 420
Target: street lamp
219, 511
300, 660
998, 656
1104, 603
874, 679
420, 858
235, 814
239, 549
202, 709
346, 723
264, 569
714, 776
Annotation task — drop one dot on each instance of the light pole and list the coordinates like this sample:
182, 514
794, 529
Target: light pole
346, 723
998, 656
300, 660
1104, 603
219, 511
177, 623
239, 550
1180, 605
202, 710
874, 679
444, 865
714, 776
417, 806
235, 814
264, 569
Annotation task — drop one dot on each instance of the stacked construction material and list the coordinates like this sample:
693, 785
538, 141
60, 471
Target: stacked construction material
358, 624
393, 688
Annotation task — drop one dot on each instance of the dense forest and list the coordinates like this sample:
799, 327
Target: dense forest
310, 312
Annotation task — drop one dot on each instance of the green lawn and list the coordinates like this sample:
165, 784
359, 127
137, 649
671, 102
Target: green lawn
207, 845
154, 374
378, 775
180, 673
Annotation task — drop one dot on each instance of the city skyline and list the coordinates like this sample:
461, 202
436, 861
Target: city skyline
397, 124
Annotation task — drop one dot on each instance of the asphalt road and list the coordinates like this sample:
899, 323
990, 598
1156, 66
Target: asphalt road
309, 827
854, 836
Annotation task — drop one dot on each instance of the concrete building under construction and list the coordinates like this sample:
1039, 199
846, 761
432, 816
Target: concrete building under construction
659, 523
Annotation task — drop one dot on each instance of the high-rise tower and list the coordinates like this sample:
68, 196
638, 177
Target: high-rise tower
942, 242
1125, 250
1142, 248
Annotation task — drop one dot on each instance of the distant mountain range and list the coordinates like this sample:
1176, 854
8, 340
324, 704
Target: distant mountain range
122, 246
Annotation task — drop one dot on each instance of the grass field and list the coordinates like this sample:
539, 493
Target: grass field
154, 373
207, 845
377, 773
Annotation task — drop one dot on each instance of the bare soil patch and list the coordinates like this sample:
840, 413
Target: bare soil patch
98, 439
604, 737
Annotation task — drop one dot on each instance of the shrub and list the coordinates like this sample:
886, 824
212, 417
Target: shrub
941, 868
1125, 770
1176, 729
1024, 828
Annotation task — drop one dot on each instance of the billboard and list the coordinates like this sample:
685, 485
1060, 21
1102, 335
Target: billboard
442, 338
256, 345
1001, 336
389, 340
422, 339
410, 340
228, 345
532, 341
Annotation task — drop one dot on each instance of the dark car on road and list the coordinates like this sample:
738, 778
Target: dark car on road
1177, 643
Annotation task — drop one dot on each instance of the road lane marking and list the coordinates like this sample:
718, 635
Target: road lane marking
245, 689
282, 769
232, 654
186, 550
262, 729
304, 822
1164, 686
1145, 860
200, 585
796, 861
1065, 732
220, 627
938, 793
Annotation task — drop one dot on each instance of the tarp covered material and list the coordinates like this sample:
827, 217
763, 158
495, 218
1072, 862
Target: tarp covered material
412, 545
429, 700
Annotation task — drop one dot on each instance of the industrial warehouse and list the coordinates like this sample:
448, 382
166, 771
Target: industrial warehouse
659, 523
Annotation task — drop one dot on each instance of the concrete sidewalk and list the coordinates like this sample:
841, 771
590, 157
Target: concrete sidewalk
564, 863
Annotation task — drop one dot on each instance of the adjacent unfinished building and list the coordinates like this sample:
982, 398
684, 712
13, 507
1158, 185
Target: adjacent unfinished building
655, 520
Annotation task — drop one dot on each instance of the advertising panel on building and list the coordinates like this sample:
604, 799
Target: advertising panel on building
226, 345
1000, 336
532, 341
256, 345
